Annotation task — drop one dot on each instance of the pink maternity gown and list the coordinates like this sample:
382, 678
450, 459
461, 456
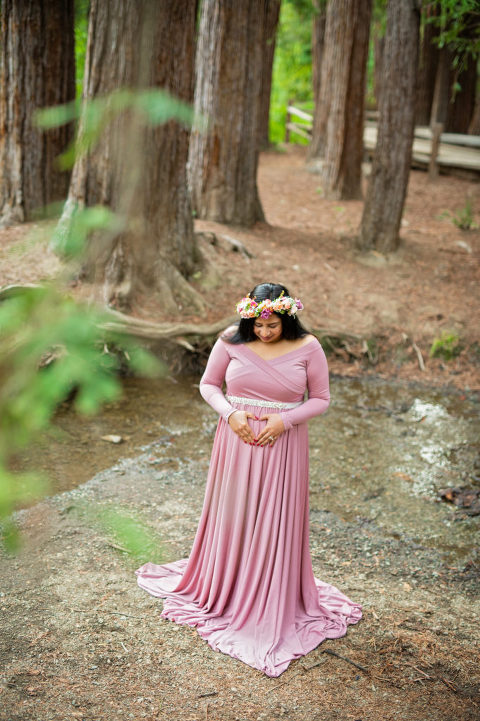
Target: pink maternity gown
248, 584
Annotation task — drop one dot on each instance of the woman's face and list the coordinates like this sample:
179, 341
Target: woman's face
268, 330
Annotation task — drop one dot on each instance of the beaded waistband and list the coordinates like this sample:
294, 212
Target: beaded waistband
259, 402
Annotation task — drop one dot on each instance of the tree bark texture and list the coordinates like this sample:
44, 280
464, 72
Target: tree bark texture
37, 70
442, 88
136, 170
474, 127
318, 41
222, 164
341, 112
387, 187
272, 13
462, 105
429, 56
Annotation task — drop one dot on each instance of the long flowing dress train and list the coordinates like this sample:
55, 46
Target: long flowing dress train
248, 584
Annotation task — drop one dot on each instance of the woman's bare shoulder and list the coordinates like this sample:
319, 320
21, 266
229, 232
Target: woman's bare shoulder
307, 339
228, 333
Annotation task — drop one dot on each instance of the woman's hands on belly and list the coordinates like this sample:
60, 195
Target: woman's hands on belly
272, 430
239, 424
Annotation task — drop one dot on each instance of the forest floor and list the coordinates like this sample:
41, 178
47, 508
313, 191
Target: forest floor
398, 305
78, 639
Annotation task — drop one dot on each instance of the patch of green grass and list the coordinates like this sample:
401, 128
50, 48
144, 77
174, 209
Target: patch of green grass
464, 217
447, 346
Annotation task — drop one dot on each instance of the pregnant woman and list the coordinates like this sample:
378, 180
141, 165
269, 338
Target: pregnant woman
248, 584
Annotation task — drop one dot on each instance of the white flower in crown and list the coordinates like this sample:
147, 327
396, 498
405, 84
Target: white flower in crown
246, 307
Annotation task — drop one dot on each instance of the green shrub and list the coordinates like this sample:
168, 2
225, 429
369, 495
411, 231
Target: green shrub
464, 218
447, 346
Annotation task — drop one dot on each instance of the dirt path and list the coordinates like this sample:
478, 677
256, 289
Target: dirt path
80, 640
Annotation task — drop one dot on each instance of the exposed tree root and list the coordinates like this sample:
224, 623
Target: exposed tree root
195, 338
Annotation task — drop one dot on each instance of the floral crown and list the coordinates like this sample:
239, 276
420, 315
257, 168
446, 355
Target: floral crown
249, 308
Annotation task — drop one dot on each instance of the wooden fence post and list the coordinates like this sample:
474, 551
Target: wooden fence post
433, 170
288, 121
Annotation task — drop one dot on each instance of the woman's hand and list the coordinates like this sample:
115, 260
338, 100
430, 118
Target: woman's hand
238, 423
272, 430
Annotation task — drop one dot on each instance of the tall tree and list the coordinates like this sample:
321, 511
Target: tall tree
442, 87
428, 63
222, 164
474, 127
387, 187
272, 13
136, 170
462, 104
457, 34
338, 123
37, 69
318, 40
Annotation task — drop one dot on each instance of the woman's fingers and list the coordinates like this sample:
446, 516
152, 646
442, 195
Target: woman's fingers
266, 436
274, 428
245, 432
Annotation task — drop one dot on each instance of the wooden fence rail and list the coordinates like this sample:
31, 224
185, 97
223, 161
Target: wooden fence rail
430, 150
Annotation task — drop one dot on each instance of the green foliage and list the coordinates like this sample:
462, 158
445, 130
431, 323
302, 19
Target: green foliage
54, 347
152, 107
458, 23
129, 533
81, 32
37, 324
81, 225
464, 218
447, 346
292, 67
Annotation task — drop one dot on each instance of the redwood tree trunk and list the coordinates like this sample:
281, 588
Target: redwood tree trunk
474, 127
429, 55
37, 70
443, 88
272, 13
460, 111
222, 164
139, 171
343, 96
387, 188
318, 41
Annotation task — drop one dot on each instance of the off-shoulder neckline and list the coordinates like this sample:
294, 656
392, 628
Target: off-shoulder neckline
282, 355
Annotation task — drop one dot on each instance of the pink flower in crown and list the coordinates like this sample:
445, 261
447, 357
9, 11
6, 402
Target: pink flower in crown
246, 307
265, 309
299, 304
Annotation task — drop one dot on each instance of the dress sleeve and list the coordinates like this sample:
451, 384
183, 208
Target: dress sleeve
318, 391
211, 382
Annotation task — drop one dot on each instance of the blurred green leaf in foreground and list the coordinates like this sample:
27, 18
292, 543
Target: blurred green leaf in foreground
53, 347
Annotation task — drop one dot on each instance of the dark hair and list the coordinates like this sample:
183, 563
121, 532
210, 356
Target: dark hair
291, 326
